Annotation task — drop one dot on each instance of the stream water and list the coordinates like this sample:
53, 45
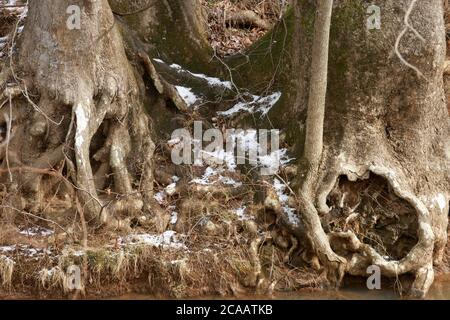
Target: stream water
439, 291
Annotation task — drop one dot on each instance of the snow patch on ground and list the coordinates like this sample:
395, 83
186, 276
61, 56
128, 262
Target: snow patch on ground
204, 180
34, 252
173, 217
79, 253
246, 140
257, 104
229, 181
170, 190
6, 249
26, 251
210, 173
37, 231
280, 189
166, 240
272, 161
160, 197
220, 156
187, 95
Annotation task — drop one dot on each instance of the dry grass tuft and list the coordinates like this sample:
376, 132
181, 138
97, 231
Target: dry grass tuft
6, 271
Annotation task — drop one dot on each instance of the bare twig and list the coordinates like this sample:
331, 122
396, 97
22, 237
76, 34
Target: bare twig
407, 27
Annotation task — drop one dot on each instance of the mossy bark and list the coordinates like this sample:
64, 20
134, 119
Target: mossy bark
381, 118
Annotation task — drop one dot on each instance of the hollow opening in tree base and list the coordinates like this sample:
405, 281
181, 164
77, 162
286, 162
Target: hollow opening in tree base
374, 213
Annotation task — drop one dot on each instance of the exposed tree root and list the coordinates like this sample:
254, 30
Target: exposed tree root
334, 265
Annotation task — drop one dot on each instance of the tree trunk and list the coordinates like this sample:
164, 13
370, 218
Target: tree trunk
174, 30
386, 117
86, 89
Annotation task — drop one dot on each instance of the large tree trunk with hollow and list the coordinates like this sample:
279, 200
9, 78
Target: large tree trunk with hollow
84, 111
380, 194
382, 188
376, 193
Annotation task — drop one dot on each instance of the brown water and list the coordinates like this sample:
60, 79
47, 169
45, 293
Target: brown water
439, 291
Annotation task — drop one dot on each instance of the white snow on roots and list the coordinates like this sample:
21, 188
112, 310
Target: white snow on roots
257, 104
280, 188
187, 95
254, 103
